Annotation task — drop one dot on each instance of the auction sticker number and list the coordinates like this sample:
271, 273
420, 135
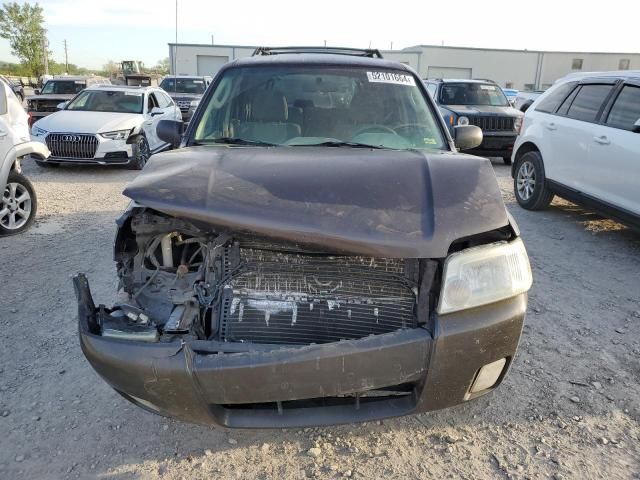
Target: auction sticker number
390, 77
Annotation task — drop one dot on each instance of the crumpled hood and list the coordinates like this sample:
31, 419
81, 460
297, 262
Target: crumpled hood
402, 204
483, 110
74, 121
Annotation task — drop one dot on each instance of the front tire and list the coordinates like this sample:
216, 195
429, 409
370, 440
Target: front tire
529, 182
18, 205
141, 154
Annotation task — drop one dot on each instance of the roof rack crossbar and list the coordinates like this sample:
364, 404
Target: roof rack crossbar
358, 52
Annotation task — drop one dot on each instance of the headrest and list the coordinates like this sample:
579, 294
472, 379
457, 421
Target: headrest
270, 107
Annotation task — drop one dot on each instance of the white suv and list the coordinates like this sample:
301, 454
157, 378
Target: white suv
581, 140
106, 124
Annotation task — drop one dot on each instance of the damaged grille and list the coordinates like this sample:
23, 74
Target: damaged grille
300, 298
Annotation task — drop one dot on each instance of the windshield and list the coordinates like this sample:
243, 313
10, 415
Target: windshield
472, 94
63, 87
183, 85
307, 105
107, 101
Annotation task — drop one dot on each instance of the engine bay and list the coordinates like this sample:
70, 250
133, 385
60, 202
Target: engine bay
186, 280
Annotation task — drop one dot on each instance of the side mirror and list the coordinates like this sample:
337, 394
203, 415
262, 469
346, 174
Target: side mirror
61, 105
170, 131
467, 137
156, 111
36, 91
636, 127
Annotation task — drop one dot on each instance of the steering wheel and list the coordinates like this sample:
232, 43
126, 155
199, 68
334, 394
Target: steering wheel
374, 129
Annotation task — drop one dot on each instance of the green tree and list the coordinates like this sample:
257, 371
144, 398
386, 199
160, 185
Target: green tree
22, 25
162, 67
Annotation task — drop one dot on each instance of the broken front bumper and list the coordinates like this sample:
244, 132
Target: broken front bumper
252, 386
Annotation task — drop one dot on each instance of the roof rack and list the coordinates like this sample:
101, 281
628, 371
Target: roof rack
358, 52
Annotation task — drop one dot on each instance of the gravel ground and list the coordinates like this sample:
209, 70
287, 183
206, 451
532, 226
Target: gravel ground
570, 407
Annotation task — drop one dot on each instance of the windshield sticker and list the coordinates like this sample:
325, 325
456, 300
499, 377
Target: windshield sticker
487, 87
430, 141
389, 77
133, 94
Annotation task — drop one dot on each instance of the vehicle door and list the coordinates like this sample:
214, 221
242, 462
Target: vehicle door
614, 160
570, 133
152, 116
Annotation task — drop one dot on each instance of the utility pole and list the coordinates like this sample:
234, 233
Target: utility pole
45, 54
66, 58
211, 39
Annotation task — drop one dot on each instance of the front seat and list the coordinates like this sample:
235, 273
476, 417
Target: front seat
269, 120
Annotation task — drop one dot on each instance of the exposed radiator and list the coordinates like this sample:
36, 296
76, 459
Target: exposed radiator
301, 298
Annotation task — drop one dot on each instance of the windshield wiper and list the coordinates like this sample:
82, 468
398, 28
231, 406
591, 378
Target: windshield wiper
338, 143
241, 141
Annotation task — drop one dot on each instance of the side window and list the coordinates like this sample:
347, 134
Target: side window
431, 88
163, 100
588, 102
551, 102
151, 102
626, 110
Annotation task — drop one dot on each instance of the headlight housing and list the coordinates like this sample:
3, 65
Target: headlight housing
481, 275
463, 120
517, 124
38, 132
194, 104
116, 135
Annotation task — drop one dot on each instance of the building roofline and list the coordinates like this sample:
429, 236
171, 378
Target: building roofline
414, 47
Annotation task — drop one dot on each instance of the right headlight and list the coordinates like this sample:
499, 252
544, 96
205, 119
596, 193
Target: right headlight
38, 132
481, 275
463, 120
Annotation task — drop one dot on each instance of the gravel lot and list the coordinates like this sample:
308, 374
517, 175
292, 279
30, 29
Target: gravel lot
570, 407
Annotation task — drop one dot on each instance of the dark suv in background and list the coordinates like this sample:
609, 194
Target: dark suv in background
186, 91
58, 90
481, 103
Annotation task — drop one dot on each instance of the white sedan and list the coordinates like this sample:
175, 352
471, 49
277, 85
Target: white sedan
106, 125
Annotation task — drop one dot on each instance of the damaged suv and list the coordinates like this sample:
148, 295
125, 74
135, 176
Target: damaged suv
315, 252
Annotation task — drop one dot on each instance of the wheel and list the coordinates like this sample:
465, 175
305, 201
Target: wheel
506, 160
19, 205
141, 154
529, 183
42, 164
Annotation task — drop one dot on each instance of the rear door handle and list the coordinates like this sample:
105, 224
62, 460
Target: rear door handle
551, 126
603, 140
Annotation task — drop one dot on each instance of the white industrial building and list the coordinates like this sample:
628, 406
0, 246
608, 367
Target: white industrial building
520, 69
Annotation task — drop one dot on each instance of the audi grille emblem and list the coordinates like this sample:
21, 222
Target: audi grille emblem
70, 138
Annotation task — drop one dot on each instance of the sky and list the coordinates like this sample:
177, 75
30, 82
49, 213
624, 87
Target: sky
101, 30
